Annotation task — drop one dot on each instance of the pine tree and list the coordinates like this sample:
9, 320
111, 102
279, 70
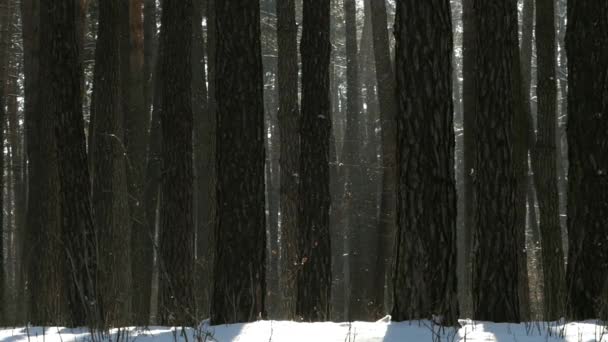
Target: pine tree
239, 295
546, 159
587, 49
176, 304
109, 190
288, 117
495, 242
314, 253
61, 103
425, 276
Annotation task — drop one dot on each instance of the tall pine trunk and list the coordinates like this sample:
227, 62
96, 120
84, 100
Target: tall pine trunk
61, 102
587, 48
425, 276
239, 295
495, 238
314, 253
545, 174
289, 135
109, 191
386, 98
176, 304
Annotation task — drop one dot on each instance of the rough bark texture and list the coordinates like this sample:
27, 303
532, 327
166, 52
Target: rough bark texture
42, 213
545, 174
136, 127
386, 97
289, 135
204, 167
314, 254
176, 304
109, 190
425, 276
354, 168
61, 101
142, 260
239, 295
495, 242
469, 66
587, 48
4, 21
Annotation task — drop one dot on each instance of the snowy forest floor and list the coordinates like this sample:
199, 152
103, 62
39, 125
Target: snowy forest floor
279, 331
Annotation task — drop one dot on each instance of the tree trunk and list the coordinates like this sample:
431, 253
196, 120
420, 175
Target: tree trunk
587, 48
142, 261
495, 256
239, 295
289, 136
426, 200
546, 158
203, 142
109, 191
469, 67
386, 90
176, 304
4, 23
61, 100
314, 253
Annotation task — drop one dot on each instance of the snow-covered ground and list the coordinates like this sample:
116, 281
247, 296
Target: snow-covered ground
279, 331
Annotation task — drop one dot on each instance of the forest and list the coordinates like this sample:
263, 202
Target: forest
171, 162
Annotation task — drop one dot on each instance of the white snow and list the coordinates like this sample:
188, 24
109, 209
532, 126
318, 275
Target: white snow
279, 331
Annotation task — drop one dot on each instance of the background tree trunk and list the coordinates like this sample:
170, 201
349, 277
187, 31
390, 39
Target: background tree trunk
61, 100
314, 253
495, 241
109, 191
289, 135
176, 304
546, 160
426, 200
239, 295
587, 48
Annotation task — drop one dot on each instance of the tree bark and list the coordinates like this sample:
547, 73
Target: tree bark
61, 101
239, 295
176, 304
289, 136
425, 276
386, 98
495, 240
314, 253
469, 67
204, 176
142, 261
546, 159
109, 190
587, 49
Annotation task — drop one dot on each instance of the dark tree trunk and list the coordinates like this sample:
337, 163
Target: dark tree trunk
61, 100
239, 295
546, 159
176, 305
495, 239
587, 48
44, 267
289, 135
136, 127
355, 223
4, 22
142, 261
386, 90
314, 253
469, 67
426, 200
204, 169
109, 191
